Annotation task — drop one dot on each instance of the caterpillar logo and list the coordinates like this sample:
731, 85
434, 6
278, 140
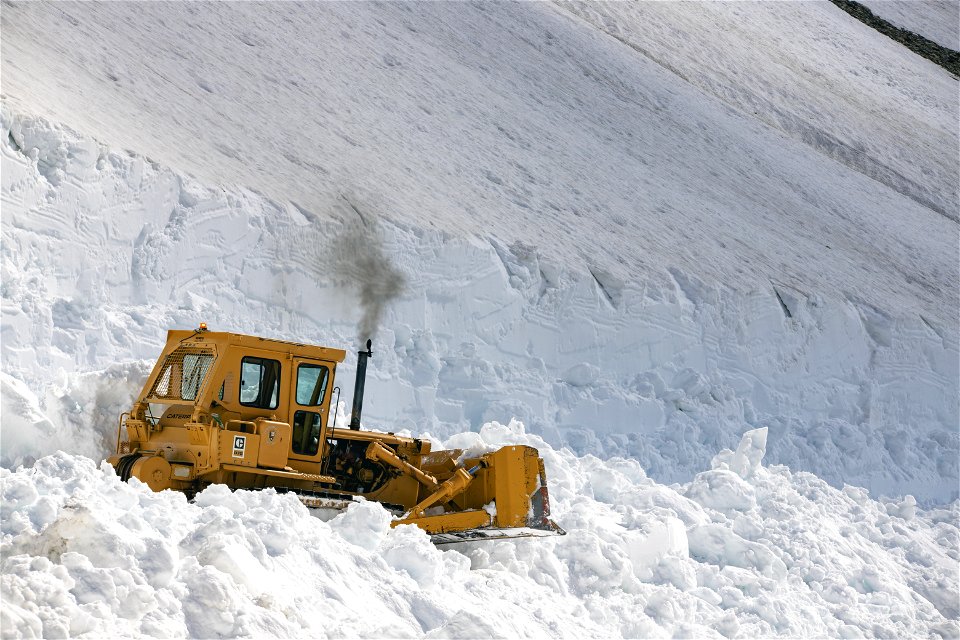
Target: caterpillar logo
239, 444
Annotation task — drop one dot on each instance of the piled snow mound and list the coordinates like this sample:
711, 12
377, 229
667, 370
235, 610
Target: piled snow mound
74, 412
743, 550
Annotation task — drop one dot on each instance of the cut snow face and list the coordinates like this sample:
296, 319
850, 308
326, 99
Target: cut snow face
743, 550
99, 265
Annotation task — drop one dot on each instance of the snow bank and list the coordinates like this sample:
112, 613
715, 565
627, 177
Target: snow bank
88, 556
738, 143
76, 412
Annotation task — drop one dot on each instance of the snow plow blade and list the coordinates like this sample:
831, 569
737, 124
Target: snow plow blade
498, 495
479, 535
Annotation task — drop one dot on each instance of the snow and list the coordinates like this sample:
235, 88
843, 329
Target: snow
705, 252
87, 556
862, 100
936, 20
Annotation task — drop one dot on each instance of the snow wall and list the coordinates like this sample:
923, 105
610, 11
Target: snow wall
105, 251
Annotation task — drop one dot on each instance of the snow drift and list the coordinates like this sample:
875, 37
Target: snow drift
742, 550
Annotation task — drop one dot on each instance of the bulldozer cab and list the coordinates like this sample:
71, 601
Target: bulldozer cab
236, 380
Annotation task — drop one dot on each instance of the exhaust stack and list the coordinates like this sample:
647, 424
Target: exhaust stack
362, 357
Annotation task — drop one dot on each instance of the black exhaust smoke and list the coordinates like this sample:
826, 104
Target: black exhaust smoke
361, 261
362, 357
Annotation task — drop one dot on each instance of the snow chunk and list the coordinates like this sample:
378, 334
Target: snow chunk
746, 459
363, 523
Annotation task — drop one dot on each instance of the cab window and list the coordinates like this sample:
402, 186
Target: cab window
183, 374
306, 432
195, 367
311, 384
259, 383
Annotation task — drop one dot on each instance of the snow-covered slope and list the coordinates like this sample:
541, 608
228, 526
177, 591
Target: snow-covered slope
524, 122
863, 101
742, 550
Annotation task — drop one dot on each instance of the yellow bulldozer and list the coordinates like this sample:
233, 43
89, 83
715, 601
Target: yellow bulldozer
252, 413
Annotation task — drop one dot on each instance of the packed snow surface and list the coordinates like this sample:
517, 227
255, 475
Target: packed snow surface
741, 550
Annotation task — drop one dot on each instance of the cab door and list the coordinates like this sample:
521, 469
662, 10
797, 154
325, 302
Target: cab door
309, 410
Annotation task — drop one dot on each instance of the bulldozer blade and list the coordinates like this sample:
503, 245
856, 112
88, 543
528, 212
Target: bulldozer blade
488, 533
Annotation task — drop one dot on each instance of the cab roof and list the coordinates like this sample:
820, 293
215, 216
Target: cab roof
222, 339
